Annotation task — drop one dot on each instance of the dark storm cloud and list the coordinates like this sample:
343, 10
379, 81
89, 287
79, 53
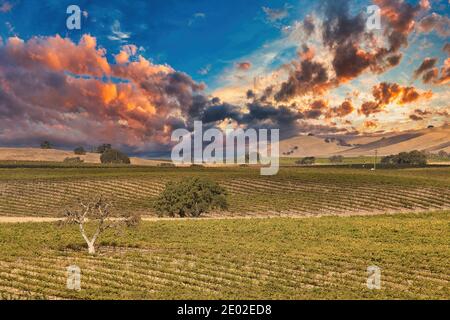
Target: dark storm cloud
385, 93
308, 76
428, 63
354, 49
309, 26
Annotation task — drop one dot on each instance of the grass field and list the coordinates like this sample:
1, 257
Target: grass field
368, 161
294, 191
277, 258
280, 257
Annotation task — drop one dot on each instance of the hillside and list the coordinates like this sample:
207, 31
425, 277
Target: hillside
53, 155
304, 146
431, 140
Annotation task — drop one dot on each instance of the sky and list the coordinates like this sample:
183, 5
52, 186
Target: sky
137, 70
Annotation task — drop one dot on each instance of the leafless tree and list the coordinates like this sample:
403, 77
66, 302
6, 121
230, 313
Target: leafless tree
98, 211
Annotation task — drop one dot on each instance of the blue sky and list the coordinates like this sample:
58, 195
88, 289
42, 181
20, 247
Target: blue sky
230, 47
199, 37
190, 35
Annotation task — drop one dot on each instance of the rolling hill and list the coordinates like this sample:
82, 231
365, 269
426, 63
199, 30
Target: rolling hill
53, 155
431, 140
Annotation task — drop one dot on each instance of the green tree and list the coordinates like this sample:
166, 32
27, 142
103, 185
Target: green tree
79, 151
75, 160
191, 198
336, 159
413, 158
46, 145
104, 147
306, 161
115, 157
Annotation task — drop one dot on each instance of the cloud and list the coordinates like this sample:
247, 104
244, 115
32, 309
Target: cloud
117, 33
419, 114
386, 93
316, 109
196, 16
435, 22
430, 74
5, 6
69, 93
258, 113
415, 117
445, 73
309, 25
348, 48
274, 15
308, 76
205, 70
243, 66
344, 109
370, 124
422, 112
55, 89
427, 64
400, 17
446, 48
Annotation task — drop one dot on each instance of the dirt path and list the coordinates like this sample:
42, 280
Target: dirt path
4, 220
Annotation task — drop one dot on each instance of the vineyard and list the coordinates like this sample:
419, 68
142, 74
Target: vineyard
276, 258
44, 192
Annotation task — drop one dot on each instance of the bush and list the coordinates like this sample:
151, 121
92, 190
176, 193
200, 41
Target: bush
413, 158
76, 160
114, 156
46, 145
166, 165
79, 151
336, 159
103, 148
191, 198
306, 161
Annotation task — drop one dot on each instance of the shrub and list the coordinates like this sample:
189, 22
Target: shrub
114, 156
76, 160
46, 145
306, 161
166, 165
104, 147
413, 158
336, 159
191, 198
79, 151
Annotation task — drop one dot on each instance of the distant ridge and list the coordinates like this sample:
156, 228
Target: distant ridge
431, 140
54, 155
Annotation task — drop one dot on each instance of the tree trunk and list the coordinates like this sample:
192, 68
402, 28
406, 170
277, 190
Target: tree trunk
91, 248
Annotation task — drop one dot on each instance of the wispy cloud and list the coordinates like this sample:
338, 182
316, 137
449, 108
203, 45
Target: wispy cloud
5, 6
195, 17
276, 14
205, 70
117, 33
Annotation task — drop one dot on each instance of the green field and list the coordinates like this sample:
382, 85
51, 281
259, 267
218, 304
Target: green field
272, 258
282, 251
368, 161
294, 191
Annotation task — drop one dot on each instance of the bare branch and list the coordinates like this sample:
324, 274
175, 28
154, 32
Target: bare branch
99, 211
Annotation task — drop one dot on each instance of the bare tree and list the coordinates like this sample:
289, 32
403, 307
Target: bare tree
99, 212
